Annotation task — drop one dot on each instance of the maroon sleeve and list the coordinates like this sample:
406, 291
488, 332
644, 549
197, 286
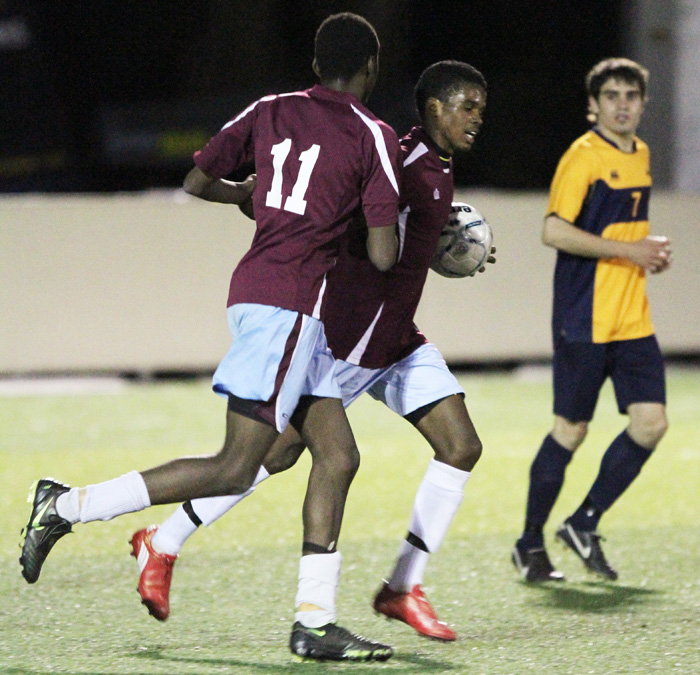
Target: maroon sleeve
230, 148
380, 189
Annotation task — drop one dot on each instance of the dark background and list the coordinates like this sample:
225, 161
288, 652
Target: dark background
110, 96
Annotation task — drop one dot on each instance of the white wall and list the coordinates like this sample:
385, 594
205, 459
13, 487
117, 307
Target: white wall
139, 282
687, 147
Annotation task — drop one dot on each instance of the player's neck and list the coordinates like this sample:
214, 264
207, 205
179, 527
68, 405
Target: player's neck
431, 132
357, 86
623, 141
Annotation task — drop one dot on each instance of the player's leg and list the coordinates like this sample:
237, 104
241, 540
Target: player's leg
55, 507
547, 477
421, 389
335, 459
578, 374
622, 462
638, 377
451, 434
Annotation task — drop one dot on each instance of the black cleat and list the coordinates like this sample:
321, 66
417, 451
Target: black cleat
45, 526
534, 565
586, 545
335, 644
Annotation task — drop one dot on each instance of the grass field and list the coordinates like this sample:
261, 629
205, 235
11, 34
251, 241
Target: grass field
234, 586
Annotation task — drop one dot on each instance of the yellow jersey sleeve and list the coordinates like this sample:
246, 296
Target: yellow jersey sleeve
578, 169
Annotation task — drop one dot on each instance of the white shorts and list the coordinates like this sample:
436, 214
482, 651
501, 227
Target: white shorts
277, 356
417, 380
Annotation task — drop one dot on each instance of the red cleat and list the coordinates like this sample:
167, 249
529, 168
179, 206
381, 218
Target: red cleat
156, 573
414, 609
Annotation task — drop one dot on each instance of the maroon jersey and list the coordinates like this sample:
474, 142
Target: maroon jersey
319, 155
368, 315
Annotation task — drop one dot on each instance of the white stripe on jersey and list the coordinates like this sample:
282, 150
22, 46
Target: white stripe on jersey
316, 313
381, 147
403, 217
358, 351
417, 152
271, 97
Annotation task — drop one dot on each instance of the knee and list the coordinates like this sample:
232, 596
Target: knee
349, 461
461, 454
281, 461
648, 431
569, 434
341, 460
235, 483
472, 453
231, 477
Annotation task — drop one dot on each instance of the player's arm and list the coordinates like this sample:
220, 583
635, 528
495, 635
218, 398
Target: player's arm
218, 190
652, 253
382, 246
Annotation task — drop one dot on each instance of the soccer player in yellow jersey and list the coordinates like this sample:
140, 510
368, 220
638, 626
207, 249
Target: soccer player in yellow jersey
597, 219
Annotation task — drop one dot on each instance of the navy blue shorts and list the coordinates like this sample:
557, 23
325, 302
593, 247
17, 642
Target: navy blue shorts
635, 367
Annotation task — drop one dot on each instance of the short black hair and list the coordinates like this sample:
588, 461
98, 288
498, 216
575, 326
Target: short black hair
344, 43
442, 79
619, 68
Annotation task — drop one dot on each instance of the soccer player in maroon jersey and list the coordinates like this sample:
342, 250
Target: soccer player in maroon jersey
279, 370
369, 323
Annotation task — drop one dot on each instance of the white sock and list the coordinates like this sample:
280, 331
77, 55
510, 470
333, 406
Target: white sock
319, 575
68, 505
211, 509
171, 536
174, 532
115, 497
437, 500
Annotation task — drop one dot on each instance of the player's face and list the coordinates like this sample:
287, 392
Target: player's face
459, 118
619, 108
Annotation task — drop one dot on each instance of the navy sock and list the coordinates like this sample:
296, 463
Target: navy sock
620, 465
546, 479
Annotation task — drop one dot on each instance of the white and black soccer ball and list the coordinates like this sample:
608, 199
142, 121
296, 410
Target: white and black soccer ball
464, 245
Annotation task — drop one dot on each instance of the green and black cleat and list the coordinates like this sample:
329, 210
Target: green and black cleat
333, 643
45, 526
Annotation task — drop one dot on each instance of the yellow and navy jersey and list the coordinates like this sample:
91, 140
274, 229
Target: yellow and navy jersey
605, 191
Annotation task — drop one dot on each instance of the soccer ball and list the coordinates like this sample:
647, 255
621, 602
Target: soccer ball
464, 245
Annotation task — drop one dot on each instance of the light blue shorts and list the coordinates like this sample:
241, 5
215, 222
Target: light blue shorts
276, 357
417, 380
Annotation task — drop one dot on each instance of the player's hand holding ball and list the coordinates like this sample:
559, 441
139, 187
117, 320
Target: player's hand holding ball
465, 245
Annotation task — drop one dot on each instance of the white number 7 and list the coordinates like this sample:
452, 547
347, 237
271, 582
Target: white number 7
295, 202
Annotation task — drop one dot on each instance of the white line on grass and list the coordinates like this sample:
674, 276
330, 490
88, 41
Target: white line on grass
62, 386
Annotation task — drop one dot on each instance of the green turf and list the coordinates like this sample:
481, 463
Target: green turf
232, 600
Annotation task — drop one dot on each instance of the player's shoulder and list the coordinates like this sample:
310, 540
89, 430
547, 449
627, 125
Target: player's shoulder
586, 144
640, 145
416, 147
370, 119
287, 97
584, 152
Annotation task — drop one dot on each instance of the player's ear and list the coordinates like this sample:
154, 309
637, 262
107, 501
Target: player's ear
373, 66
314, 65
433, 107
593, 110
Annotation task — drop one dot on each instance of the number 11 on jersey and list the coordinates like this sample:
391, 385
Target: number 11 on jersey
295, 202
